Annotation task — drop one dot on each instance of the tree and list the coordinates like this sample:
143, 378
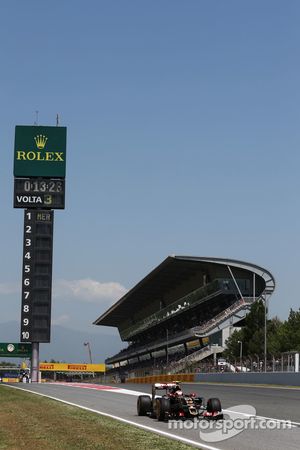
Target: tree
252, 335
274, 330
232, 350
289, 333
253, 332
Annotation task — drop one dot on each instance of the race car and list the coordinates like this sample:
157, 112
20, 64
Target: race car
173, 404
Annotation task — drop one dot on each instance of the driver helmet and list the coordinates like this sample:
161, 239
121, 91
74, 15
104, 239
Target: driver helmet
178, 390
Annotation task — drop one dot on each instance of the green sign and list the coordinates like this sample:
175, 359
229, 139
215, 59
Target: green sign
15, 350
40, 151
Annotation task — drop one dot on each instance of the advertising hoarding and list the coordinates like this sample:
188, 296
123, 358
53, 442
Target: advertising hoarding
40, 151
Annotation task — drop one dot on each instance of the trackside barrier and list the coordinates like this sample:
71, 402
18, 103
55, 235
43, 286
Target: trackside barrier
150, 379
10, 380
281, 378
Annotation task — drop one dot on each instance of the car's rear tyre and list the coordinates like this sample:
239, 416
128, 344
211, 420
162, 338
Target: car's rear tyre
213, 405
162, 408
144, 405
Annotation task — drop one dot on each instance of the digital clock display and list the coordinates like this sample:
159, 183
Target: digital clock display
43, 185
40, 193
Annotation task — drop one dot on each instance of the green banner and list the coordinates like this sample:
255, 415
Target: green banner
40, 151
15, 350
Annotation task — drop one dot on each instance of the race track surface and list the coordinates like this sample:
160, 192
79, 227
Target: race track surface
276, 403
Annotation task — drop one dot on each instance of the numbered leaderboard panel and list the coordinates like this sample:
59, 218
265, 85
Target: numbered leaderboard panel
37, 275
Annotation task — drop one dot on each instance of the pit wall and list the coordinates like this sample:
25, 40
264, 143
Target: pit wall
278, 378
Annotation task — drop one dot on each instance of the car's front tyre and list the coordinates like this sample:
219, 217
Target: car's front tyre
213, 405
162, 408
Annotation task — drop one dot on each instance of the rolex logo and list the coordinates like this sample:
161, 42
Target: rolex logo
40, 141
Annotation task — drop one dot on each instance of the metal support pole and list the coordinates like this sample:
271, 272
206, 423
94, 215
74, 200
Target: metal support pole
236, 285
265, 346
35, 362
87, 344
167, 348
241, 354
215, 356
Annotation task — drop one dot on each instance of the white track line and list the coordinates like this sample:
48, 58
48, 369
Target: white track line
101, 388
130, 422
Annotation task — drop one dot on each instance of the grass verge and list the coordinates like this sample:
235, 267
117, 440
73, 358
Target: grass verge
33, 422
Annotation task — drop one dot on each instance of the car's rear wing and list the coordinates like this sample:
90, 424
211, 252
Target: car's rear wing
165, 385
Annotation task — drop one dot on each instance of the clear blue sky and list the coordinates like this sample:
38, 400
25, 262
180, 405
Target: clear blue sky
183, 138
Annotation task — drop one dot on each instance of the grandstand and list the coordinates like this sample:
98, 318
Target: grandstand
174, 317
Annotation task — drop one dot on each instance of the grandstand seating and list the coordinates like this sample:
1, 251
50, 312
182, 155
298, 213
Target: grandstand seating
184, 300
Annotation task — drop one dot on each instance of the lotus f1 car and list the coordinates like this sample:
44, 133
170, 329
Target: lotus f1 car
173, 404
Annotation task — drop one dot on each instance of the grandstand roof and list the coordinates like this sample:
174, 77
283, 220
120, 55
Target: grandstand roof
173, 271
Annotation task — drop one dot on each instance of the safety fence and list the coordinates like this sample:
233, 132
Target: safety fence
184, 377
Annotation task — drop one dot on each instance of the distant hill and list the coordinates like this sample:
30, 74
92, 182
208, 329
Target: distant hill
68, 345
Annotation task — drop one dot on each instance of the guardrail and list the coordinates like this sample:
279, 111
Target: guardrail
281, 379
277, 378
